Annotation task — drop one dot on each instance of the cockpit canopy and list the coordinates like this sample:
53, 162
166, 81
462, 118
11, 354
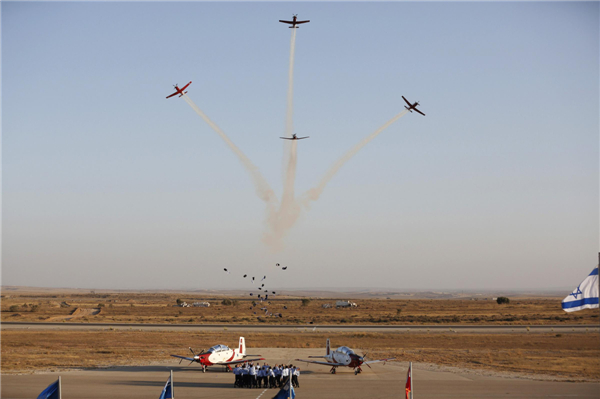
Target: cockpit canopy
218, 348
346, 350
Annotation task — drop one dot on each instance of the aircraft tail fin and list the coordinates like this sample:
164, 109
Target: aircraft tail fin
242, 346
328, 348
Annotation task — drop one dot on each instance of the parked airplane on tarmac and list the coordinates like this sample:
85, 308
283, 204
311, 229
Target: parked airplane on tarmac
343, 356
180, 91
294, 137
294, 22
220, 355
412, 107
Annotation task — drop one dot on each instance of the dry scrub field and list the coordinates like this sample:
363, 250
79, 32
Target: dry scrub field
574, 356
88, 306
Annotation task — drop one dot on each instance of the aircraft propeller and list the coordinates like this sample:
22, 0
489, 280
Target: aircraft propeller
364, 358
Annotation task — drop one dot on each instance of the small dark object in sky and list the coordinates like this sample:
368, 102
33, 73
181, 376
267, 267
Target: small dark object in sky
283, 268
273, 292
262, 285
245, 275
277, 264
259, 288
226, 270
251, 294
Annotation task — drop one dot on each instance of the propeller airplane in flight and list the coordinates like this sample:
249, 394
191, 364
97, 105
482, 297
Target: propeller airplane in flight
294, 137
294, 22
412, 107
343, 357
220, 355
180, 91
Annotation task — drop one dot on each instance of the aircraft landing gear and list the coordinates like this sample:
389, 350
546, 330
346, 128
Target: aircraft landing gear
357, 370
332, 371
204, 369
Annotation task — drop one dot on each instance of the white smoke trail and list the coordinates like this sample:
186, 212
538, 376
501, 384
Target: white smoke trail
314, 193
263, 190
289, 122
289, 210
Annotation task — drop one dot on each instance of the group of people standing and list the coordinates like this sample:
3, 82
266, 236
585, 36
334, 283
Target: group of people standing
249, 375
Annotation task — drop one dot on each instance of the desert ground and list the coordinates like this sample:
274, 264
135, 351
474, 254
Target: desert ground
83, 306
120, 344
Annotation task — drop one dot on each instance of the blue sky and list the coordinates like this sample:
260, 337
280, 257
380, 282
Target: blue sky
108, 185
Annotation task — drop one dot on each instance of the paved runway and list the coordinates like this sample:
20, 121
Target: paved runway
563, 329
382, 381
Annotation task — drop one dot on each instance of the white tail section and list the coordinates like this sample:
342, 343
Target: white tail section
242, 346
328, 348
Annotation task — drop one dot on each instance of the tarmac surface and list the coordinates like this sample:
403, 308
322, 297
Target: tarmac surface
381, 381
558, 328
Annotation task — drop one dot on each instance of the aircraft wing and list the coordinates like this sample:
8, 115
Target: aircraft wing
285, 22
287, 138
185, 87
300, 138
242, 361
409, 104
414, 109
191, 359
380, 360
301, 22
174, 94
323, 363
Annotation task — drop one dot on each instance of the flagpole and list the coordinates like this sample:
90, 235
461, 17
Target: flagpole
172, 386
59, 388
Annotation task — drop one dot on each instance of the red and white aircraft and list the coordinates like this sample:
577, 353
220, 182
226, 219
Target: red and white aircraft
294, 22
180, 91
343, 356
220, 355
412, 107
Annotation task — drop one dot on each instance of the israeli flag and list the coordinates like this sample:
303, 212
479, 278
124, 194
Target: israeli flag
167, 392
585, 295
51, 392
287, 391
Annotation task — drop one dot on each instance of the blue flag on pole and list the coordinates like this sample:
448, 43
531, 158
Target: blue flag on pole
52, 392
585, 295
167, 392
287, 391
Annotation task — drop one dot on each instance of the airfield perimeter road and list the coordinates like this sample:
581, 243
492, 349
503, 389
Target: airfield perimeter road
579, 328
381, 381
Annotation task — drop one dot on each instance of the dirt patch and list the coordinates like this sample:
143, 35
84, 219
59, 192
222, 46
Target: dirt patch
77, 314
570, 356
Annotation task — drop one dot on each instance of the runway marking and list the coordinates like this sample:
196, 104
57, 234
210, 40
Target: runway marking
261, 394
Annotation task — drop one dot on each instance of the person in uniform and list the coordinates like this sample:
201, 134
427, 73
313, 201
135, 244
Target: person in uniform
252, 376
285, 375
271, 375
236, 372
278, 375
295, 375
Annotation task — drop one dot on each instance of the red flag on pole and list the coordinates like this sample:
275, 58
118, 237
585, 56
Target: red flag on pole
408, 387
